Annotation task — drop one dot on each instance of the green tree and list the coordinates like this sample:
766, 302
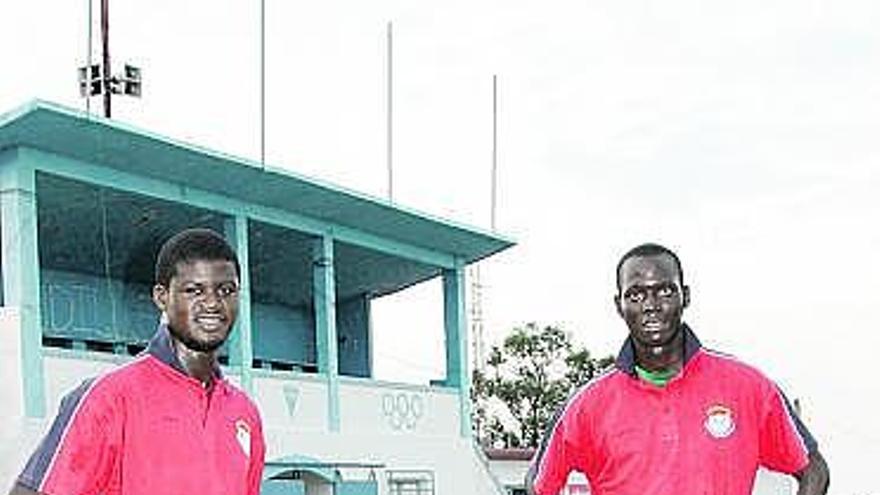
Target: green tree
525, 381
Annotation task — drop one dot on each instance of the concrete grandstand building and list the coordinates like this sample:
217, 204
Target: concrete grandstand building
85, 204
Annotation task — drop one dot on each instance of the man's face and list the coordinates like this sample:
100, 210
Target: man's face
201, 303
651, 299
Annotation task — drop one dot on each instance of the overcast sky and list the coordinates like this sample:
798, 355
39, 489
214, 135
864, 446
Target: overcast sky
742, 134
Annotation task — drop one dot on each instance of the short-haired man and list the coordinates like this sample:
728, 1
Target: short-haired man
168, 422
672, 417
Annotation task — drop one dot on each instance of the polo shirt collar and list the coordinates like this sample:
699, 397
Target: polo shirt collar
161, 348
626, 359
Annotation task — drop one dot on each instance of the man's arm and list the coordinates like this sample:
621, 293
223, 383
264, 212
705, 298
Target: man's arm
530, 480
814, 479
553, 460
20, 490
79, 451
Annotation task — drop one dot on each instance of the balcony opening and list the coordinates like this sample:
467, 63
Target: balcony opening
97, 252
282, 317
389, 316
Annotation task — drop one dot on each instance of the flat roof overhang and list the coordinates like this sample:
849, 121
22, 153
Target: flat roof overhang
93, 139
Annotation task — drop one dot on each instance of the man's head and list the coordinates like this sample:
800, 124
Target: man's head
650, 249
196, 288
651, 294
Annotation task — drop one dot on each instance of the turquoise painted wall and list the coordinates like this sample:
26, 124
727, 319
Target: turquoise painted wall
287, 335
353, 332
85, 307
283, 487
283, 334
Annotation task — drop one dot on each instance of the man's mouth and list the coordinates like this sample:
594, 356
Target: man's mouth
652, 326
210, 321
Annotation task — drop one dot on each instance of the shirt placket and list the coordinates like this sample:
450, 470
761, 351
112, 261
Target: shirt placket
671, 428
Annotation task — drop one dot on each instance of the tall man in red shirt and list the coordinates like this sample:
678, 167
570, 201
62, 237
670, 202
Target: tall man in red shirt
168, 422
672, 417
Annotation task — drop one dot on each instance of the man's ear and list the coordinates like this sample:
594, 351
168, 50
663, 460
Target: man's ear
685, 296
160, 296
617, 305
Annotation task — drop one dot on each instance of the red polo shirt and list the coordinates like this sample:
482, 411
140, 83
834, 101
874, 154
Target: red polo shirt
148, 428
706, 432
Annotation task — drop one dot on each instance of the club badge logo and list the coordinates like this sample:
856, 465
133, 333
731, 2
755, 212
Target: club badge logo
243, 435
719, 421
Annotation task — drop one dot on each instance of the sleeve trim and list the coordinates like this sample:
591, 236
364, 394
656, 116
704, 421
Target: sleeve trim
43, 459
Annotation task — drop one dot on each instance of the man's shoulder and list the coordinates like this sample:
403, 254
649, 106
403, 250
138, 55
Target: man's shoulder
125, 373
602, 384
720, 362
102, 393
115, 381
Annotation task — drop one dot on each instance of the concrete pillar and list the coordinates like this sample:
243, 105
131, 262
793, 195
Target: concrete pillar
455, 324
21, 274
241, 349
324, 293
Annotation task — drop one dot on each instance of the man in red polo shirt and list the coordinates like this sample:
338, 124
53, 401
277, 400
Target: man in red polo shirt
168, 422
672, 417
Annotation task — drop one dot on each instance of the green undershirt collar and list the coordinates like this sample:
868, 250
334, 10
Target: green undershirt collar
658, 378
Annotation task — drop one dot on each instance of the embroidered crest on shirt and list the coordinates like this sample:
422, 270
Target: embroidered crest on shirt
243, 435
719, 421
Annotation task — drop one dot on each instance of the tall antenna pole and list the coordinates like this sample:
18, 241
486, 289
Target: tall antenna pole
263, 84
89, 63
477, 326
105, 41
389, 100
477, 330
494, 200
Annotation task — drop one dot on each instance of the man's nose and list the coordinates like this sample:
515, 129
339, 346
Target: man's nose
650, 302
211, 299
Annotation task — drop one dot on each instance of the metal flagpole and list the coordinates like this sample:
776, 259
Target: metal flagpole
389, 122
105, 39
494, 200
263, 84
88, 79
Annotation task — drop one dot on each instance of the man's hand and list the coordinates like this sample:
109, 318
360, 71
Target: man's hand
813, 479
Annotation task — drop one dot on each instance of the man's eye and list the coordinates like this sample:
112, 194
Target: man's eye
667, 291
635, 296
192, 291
227, 290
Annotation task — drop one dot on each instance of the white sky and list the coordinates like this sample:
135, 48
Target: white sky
743, 134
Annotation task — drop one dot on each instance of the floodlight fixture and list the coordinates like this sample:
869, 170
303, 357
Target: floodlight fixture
132, 81
90, 80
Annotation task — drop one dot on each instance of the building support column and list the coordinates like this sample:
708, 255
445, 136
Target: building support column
455, 324
241, 349
324, 293
21, 274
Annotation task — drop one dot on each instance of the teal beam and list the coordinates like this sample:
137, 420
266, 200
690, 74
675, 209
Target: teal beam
21, 274
71, 168
455, 324
324, 293
393, 248
241, 349
123, 181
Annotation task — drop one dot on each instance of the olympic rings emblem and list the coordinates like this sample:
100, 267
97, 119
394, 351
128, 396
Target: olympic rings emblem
403, 410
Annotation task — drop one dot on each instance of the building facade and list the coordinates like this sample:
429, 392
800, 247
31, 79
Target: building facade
85, 204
